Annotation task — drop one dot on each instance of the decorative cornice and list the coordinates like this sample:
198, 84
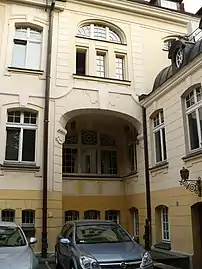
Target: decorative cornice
144, 9
59, 5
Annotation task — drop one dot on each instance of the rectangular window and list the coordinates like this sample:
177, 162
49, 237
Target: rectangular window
169, 4
120, 67
81, 62
112, 215
100, 63
165, 224
159, 138
108, 162
69, 160
132, 157
27, 48
21, 136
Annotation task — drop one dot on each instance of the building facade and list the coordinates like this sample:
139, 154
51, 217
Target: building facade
103, 58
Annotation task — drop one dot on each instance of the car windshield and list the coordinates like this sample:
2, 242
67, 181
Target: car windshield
11, 237
97, 233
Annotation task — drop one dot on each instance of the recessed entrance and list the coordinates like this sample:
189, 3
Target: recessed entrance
196, 212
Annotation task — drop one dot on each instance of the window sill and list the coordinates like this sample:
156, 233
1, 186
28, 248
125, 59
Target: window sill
159, 166
90, 176
25, 70
163, 245
193, 155
106, 80
19, 166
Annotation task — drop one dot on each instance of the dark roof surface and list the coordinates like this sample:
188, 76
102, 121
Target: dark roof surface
167, 72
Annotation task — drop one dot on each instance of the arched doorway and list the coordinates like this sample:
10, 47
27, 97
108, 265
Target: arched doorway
196, 213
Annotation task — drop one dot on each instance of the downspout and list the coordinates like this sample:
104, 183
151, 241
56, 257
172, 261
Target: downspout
148, 230
45, 134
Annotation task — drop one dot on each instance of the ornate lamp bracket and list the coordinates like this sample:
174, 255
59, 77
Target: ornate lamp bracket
193, 185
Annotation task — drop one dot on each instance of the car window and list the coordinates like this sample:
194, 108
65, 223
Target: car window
65, 229
101, 233
69, 232
11, 237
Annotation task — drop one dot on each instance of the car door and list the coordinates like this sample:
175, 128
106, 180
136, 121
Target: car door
66, 249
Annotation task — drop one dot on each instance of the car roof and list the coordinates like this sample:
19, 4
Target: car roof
8, 224
91, 222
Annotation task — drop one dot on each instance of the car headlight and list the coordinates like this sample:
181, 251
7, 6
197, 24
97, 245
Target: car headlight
89, 263
146, 260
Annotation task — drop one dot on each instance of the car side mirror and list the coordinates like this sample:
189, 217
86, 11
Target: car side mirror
65, 241
32, 240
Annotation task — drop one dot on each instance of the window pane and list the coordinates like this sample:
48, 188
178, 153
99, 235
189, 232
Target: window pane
34, 55
19, 53
89, 161
69, 160
29, 118
193, 130
14, 116
164, 144
12, 144
108, 162
28, 147
158, 146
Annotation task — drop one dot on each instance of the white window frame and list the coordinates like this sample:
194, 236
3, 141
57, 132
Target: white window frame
21, 126
164, 215
169, 4
188, 110
102, 54
160, 128
28, 40
120, 76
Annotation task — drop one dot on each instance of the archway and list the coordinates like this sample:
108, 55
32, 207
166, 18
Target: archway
196, 213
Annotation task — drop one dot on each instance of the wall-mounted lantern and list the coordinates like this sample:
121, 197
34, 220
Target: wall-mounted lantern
193, 185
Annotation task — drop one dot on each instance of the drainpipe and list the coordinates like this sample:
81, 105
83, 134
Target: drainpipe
45, 134
148, 230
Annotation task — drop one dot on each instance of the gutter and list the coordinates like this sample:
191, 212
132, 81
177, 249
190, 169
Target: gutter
148, 227
45, 133
59, 5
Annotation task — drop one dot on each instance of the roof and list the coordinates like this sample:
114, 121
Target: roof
168, 71
8, 224
91, 222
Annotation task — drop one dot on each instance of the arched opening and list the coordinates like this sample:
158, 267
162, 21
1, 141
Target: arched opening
113, 215
196, 214
99, 144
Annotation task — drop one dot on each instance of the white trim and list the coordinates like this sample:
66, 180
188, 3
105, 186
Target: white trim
162, 222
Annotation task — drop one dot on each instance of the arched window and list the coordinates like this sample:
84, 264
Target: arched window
27, 47
91, 214
99, 32
113, 215
95, 152
8, 215
193, 108
21, 129
71, 215
28, 216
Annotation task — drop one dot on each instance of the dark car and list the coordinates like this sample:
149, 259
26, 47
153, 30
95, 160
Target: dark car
97, 244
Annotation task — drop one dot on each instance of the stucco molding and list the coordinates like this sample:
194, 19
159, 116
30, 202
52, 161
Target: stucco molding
60, 136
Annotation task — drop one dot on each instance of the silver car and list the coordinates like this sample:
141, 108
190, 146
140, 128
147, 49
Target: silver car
15, 251
97, 244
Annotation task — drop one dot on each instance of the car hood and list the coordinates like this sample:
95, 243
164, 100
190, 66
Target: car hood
15, 257
113, 252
